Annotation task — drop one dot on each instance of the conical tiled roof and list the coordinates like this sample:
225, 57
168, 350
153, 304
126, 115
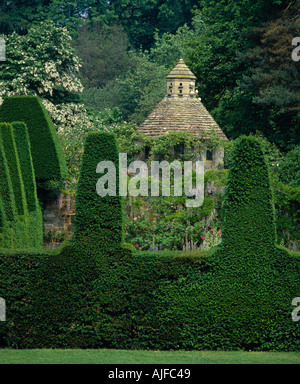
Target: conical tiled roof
180, 110
180, 115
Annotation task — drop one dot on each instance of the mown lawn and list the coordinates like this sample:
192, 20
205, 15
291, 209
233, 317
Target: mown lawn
104, 356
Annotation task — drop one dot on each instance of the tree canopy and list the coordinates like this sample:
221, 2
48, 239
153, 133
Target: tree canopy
240, 52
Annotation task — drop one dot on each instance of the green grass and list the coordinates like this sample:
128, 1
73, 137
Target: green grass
104, 356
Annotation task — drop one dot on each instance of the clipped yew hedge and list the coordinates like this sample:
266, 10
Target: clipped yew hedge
91, 294
25, 158
21, 215
9, 216
34, 211
243, 301
99, 220
47, 153
8, 141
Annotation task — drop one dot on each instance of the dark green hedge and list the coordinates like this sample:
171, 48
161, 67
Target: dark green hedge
47, 154
27, 169
34, 211
85, 295
99, 220
2, 215
12, 157
142, 301
59, 299
6, 187
254, 281
250, 213
20, 227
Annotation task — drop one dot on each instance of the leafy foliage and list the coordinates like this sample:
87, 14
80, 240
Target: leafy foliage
12, 158
99, 220
273, 77
135, 92
103, 53
235, 297
21, 222
41, 63
289, 167
47, 155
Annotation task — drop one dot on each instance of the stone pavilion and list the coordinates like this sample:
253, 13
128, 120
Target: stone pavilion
181, 110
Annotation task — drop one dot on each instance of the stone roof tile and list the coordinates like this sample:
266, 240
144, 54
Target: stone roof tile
180, 115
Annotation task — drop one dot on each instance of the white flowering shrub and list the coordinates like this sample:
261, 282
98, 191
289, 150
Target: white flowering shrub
43, 63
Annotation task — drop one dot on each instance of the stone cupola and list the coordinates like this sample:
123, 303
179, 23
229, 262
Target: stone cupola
181, 110
181, 81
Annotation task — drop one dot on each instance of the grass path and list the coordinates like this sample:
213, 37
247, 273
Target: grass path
104, 356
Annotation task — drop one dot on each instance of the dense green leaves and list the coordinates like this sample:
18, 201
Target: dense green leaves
25, 158
12, 157
21, 219
95, 293
103, 52
41, 63
246, 264
139, 18
99, 219
47, 155
6, 187
289, 167
240, 52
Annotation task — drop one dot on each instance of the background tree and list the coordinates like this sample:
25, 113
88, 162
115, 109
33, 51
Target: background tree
103, 52
17, 16
273, 78
135, 93
41, 63
217, 55
142, 18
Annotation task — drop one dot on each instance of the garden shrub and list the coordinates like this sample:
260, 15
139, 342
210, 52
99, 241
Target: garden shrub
18, 234
21, 227
35, 218
289, 167
37, 286
6, 187
245, 299
60, 289
91, 294
2, 223
47, 154
99, 220
287, 204
12, 157
8, 201
27, 170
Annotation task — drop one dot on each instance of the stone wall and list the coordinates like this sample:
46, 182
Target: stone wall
58, 216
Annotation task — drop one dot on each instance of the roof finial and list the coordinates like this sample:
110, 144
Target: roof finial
181, 81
